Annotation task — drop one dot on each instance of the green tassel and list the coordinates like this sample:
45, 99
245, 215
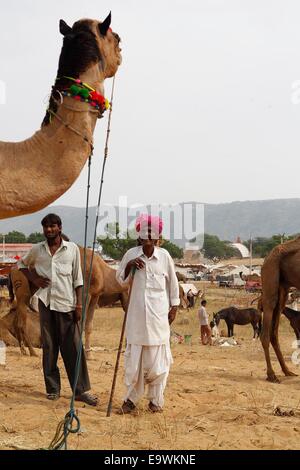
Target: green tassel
84, 93
75, 90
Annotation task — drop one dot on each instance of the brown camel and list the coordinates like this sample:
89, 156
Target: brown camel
52, 159
280, 271
188, 299
103, 286
9, 334
181, 277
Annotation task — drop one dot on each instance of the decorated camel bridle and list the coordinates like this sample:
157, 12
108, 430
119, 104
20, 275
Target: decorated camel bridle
81, 91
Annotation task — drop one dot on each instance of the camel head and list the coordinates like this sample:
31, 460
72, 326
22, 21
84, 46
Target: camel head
86, 44
91, 52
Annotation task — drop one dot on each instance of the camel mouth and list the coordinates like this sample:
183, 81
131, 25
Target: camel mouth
119, 56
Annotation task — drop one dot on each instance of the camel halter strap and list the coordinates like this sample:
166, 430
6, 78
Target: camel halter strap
66, 426
81, 92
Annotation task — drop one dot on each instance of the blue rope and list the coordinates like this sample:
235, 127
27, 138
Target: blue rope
66, 426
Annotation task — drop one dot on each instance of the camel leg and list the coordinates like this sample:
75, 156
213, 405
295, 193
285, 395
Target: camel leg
22, 291
265, 341
89, 325
19, 323
21, 330
17, 334
274, 334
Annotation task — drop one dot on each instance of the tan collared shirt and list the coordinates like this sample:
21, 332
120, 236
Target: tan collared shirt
154, 290
63, 269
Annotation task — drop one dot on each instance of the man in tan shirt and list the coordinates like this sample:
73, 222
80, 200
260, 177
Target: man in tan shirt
53, 266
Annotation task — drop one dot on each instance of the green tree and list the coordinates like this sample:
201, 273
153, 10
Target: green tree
215, 248
35, 237
115, 245
261, 246
174, 250
15, 237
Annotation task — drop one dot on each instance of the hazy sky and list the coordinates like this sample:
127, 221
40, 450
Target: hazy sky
203, 103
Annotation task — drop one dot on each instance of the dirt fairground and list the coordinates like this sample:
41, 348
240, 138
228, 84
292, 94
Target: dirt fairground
216, 397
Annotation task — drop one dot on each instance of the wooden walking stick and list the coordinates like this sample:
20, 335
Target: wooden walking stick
119, 350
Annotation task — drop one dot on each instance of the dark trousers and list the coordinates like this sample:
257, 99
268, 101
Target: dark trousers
60, 333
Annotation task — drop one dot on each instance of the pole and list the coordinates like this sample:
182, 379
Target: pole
251, 254
3, 248
119, 352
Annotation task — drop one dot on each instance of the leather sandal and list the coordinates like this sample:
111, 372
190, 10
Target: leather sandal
154, 408
53, 396
127, 407
87, 398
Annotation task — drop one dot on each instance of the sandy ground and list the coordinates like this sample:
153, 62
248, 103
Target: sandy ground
216, 397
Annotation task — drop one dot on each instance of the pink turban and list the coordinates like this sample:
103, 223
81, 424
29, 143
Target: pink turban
149, 223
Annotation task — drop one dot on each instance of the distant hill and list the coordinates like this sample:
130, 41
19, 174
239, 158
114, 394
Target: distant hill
227, 221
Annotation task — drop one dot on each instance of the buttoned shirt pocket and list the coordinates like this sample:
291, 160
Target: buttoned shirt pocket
64, 270
156, 282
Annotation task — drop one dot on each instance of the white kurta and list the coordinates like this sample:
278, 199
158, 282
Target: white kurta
154, 290
148, 356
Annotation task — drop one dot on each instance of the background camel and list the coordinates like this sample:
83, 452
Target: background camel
280, 271
9, 333
52, 159
188, 295
104, 288
181, 277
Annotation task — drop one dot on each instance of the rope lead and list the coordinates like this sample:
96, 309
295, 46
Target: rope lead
65, 426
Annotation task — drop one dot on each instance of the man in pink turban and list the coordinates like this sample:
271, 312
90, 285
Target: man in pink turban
151, 310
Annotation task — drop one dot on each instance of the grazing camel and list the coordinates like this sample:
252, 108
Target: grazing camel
9, 333
280, 271
52, 159
103, 288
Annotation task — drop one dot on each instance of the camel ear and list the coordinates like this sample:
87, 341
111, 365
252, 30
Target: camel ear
103, 27
64, 29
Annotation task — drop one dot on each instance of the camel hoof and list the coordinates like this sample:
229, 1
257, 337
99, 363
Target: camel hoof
289, 373
272, 378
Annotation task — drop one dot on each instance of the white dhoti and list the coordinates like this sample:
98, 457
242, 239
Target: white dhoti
147, 365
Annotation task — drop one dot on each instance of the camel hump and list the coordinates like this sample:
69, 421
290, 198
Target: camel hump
282, 250
270, 272
289, 247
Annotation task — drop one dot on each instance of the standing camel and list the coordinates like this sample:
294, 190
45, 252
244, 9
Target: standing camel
103, 287
280, 271
51, 160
